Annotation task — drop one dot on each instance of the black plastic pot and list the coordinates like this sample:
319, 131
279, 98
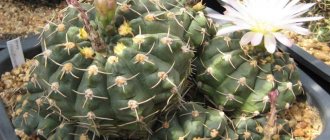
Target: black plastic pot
30, 49
319, 70
319, 98
215, 5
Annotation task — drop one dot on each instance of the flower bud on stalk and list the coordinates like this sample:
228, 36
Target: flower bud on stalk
105, 11
97, 42
271, 123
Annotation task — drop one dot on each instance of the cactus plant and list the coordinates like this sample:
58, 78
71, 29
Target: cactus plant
238, 71
192, 121
112, 70
239, 79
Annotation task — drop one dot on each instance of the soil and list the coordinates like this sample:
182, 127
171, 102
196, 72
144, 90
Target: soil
319, 50
21, 17
12, 84
305, 121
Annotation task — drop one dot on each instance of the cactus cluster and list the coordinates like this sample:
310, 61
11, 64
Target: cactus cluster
239, 78
121, 71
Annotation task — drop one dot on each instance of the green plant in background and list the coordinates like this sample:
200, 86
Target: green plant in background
321, 28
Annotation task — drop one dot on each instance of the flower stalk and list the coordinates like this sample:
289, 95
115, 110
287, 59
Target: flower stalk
105, 11
96, 41
272, 116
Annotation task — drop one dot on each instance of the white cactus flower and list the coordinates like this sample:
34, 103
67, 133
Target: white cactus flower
265, 19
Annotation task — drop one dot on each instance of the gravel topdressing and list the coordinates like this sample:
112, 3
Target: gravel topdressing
20, 18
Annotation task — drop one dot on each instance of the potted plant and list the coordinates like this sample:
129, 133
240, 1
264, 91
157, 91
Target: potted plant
77, 60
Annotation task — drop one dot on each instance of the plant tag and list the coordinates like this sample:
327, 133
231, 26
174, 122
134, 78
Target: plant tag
15, 52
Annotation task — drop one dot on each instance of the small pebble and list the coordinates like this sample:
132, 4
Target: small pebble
319, 50
298, 133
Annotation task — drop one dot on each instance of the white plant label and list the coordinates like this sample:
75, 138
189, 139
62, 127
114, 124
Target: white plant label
15, 52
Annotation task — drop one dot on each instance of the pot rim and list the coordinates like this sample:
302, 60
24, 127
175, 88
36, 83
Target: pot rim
317, 66
30, 45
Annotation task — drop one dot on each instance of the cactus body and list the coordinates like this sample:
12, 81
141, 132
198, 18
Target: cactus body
192, 122
120, 91
238, 79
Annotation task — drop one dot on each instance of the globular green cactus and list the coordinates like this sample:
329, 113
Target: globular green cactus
151, 17
322, 32
23, 115
239, 78
112, 70
66, 131
193, 122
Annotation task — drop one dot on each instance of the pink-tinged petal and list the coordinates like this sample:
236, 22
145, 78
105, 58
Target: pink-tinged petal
302, 19
293, 16
297, 29
283, 39
243, 23
226, 1
237, 6
234, 20
229, 29
221, 17
282, 3
231, 12
247, 37
257, 38
300, 8
270, 43
297, 10
292, 3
